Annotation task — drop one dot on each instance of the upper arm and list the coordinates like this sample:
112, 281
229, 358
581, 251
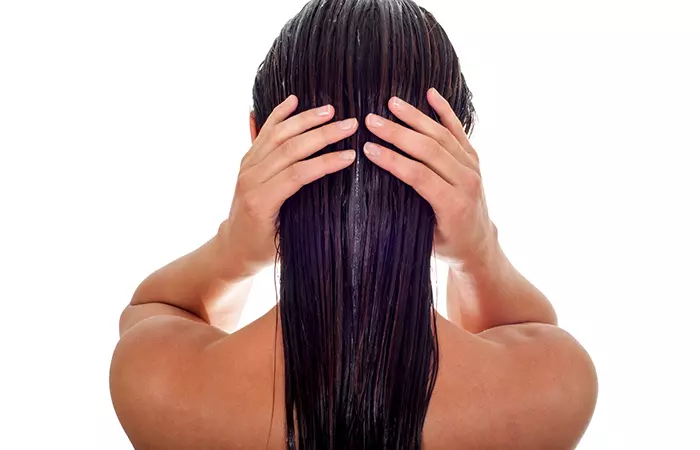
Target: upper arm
556, 383
155, 370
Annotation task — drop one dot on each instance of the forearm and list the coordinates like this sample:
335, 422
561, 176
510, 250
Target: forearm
495, 294
205, 282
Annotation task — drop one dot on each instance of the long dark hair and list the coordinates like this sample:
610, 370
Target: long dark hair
356, 301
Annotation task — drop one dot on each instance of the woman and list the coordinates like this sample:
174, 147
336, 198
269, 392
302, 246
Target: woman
354, 356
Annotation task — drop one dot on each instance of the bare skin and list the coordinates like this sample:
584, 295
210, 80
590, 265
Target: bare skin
509, 378
527, 386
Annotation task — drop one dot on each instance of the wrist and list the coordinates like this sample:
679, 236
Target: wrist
487, 272
232, 264
484, 260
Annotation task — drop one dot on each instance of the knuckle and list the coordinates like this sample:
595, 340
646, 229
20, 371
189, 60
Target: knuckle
476, 157
325, 160
395, 131
274, 135
268, 129
445, 135
251, 204
329, 133
243, 181
472, 182
330, 163
278, 107
417, 175
325, 165
388, 131
429, 147
434, 147
286, 149
277, 140
296, 174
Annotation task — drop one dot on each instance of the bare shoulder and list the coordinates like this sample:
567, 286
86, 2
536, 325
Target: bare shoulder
179, 384
526, 386
560, 385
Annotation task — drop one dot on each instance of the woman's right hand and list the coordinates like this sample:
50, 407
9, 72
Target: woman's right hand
272, 171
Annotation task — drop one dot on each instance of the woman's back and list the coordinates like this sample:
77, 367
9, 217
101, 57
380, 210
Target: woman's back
361, 360
528, 386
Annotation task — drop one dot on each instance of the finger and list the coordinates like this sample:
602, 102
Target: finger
420, 146
281, 112
420, 122
302, 146
290, 180
278, 114
427, 183
450, 120
291, 127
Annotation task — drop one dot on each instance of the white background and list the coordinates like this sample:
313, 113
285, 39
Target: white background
122, 125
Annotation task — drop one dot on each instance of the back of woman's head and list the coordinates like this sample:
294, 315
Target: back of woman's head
356, 303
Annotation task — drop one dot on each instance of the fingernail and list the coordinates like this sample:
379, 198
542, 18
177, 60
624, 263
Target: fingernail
372, 149
397, 102
376, 120
347, 155
347, 124
323, 110
435, 92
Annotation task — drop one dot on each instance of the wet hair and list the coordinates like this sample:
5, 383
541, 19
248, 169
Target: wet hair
356, 302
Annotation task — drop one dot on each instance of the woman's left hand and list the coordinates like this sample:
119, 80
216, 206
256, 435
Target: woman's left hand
446, 174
